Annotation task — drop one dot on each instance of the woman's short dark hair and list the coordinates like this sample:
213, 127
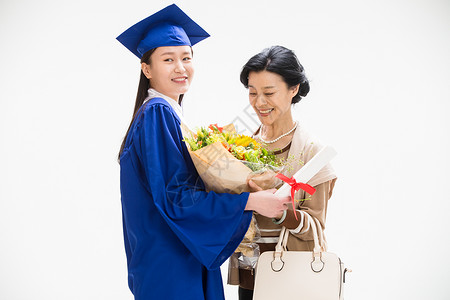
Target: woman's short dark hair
282, 61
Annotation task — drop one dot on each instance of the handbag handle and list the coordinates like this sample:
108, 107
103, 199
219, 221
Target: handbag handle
316, 264
322, 242
314, 226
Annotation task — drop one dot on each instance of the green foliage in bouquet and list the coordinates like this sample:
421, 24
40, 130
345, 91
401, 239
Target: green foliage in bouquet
243, 147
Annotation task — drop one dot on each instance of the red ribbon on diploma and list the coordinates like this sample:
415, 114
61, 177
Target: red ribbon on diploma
295, 186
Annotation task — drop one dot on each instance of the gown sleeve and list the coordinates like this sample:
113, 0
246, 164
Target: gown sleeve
209, 224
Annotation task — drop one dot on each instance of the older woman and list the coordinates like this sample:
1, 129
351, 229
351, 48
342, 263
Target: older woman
276, 80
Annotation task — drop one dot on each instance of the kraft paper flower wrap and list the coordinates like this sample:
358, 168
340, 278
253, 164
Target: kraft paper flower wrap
226, 161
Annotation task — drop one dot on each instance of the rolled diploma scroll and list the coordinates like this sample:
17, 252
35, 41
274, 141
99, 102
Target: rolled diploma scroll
310, 169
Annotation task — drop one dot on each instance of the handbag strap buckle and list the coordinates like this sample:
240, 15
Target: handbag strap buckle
277, 262
317, 264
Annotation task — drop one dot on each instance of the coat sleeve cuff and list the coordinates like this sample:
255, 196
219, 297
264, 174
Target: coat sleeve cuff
290, 222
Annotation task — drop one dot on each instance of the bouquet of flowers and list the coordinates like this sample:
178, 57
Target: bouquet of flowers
240, 146
226, 161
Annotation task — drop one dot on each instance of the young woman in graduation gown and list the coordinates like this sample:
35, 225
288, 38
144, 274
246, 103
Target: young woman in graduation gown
276, 80
176, 234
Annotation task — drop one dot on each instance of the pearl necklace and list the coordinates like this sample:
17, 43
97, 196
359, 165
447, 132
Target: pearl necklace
278, 138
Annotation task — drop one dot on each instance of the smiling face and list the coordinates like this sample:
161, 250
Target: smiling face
170, 70
270, 97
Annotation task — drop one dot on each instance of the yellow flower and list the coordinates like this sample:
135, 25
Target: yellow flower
243, 140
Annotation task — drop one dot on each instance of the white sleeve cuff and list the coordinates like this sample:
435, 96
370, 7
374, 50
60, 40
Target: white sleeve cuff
300, 226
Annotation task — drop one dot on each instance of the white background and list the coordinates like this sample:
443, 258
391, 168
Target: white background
379, 73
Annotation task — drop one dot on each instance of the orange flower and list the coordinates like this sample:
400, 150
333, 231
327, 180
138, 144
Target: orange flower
214, 127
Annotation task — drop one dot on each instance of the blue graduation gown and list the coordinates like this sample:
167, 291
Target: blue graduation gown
176, 234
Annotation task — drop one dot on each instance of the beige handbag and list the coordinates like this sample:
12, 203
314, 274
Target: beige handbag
306, 275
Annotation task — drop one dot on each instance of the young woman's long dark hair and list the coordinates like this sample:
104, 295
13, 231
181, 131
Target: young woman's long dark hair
282, 61
144, 85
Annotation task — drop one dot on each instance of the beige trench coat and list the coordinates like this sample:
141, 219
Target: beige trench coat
303, 147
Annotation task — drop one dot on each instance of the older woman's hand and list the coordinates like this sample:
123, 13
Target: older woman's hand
254, 187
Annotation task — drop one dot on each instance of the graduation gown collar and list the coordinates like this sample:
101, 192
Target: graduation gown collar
152, 93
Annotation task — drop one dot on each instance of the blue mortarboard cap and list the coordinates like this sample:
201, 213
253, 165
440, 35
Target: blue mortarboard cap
168, 27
